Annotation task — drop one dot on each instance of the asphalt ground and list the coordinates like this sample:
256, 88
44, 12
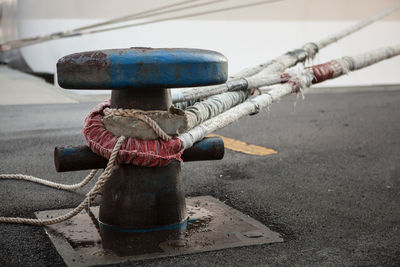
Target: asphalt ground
332, 191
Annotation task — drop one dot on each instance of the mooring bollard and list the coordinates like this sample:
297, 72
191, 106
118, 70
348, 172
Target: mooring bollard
140, 206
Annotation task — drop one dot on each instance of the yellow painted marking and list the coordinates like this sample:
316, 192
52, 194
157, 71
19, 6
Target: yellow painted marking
243, 147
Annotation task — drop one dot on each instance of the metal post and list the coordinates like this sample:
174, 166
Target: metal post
137, 200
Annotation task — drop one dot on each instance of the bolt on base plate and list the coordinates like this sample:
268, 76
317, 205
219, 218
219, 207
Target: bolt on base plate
211, 225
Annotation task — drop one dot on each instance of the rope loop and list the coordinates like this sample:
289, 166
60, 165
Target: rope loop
148, 153
140, 115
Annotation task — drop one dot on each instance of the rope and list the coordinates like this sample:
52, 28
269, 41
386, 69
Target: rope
77, 32
138, 152
289, 59
212, 106
139, 114
356, 27
299, 78
139, 15
50, 183
85, 203
184, 16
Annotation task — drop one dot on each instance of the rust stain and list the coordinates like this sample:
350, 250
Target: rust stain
322, 72
76, 69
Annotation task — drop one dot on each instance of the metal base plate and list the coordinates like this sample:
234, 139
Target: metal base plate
212, 226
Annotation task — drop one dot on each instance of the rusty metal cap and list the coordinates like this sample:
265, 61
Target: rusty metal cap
142, 68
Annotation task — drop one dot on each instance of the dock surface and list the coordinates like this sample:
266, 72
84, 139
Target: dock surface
332, 190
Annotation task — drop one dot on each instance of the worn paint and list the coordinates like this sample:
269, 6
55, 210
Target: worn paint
243, 147
142, 68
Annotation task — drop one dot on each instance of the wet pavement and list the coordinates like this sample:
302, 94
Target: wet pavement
332, 191
211, 225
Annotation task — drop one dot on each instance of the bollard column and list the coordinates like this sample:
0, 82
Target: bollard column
137, 200
142, 206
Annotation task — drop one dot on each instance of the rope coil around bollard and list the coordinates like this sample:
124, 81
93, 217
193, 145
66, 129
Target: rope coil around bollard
148, 153
118, 149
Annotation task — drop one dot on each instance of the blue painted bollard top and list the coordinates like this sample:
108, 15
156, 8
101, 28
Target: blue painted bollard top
142, 68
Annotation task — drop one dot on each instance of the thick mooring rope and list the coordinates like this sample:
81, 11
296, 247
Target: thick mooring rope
214, 105
217, 104
242, 80
305, 77
297, 80
97, 188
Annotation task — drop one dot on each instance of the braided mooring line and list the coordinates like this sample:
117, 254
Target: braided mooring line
97, 188
50, 183
140, 115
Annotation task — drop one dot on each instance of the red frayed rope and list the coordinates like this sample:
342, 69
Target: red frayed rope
148, 153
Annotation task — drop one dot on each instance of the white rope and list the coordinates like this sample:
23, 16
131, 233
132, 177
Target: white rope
300, 79
248, 72
303, 76
203, 110
97, 188
50, 183
356, 27
299, 76
286, 60
249, 107
265, 70
280, 64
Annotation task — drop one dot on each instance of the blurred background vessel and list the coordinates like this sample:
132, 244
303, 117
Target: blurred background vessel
247, 36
